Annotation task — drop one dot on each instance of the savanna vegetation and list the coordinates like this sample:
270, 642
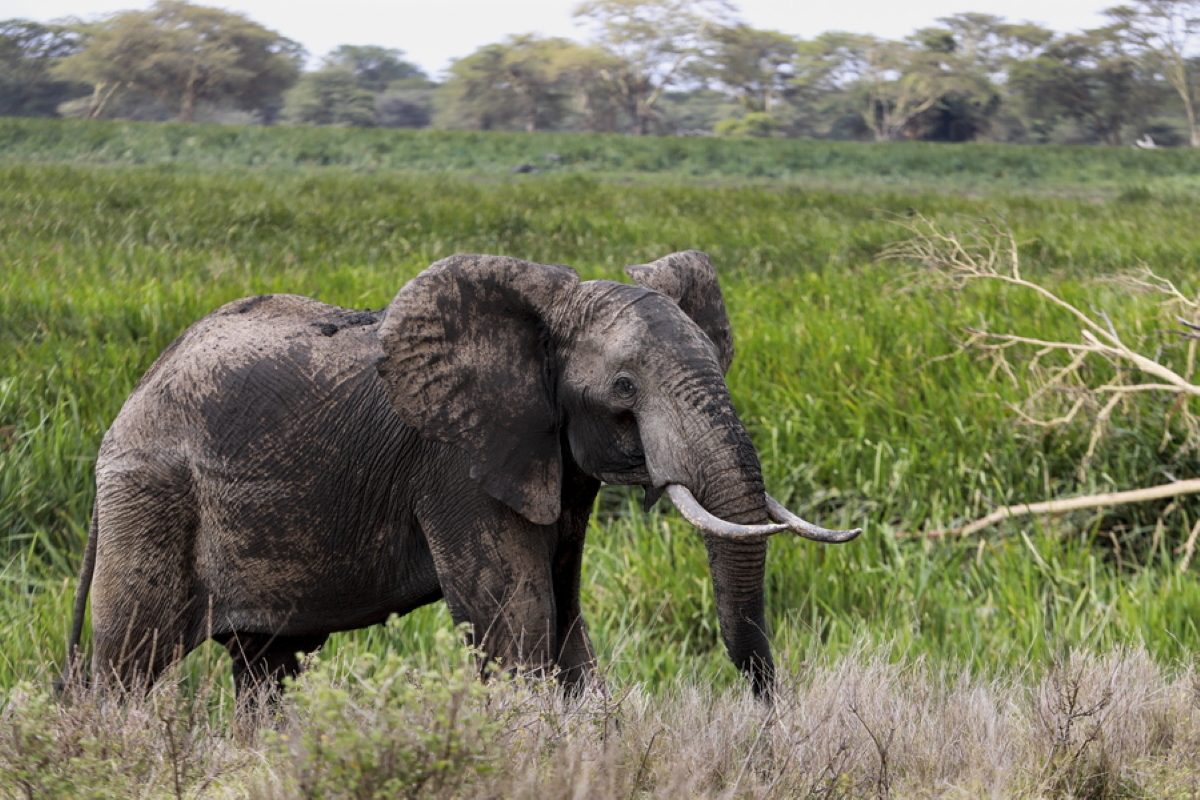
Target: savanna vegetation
691, 67
1041, 657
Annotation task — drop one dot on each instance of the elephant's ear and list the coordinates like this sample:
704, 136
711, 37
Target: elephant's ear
467, 361
690, 279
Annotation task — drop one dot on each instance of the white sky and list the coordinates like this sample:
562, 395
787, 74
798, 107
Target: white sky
433, 32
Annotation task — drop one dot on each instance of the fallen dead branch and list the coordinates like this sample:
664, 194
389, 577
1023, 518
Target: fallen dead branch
1064, 390
1065, 504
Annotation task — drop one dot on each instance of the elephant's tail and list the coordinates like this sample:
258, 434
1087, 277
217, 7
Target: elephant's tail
70, 671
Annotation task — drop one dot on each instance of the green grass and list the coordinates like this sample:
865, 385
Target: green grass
114, 237
117, 236
981, 168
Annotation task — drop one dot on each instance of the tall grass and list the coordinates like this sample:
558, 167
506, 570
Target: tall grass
837, 376
859, 725
842, 376
983, 166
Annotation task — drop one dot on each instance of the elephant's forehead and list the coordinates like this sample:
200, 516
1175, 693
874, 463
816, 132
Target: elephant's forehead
623, 321
634, 308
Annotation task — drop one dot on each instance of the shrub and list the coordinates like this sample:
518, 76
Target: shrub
386, 729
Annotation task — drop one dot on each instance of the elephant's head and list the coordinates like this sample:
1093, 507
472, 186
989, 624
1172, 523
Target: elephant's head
523, 366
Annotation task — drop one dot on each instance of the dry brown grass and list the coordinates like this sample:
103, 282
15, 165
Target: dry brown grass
1095, 726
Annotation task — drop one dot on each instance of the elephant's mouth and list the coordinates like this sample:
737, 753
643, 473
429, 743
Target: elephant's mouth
783, 520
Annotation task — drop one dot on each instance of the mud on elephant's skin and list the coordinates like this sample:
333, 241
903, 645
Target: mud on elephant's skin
287, 469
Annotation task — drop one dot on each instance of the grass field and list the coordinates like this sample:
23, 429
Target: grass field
982, 168
114, 237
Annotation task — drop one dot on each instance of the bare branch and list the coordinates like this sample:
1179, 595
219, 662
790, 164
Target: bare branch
1194, 333
1067, 504
1062, 387
1189, 547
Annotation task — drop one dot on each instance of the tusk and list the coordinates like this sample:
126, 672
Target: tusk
806, 529
696, 514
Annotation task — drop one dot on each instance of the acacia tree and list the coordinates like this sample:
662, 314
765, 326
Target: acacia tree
585, 69
1090, 77
329, 96
520, 82
935, 92
651, 41
989, 45
890, 83
374, 67
361, 86
182, 53
754, 65
1165, 32
28, 52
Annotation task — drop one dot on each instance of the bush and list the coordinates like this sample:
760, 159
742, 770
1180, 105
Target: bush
756, 125
391, 730
112, 747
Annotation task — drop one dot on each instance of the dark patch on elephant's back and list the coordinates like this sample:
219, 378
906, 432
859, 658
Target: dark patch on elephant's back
347, 319
355, 319
251, 303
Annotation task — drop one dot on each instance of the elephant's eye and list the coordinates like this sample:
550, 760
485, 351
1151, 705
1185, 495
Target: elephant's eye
624, 387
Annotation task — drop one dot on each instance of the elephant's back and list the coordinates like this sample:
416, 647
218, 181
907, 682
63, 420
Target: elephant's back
277, 326
288, 315
265, 366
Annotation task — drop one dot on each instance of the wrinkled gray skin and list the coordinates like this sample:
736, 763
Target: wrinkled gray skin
287, 468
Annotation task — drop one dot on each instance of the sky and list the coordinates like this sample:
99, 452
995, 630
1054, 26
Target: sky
434, 32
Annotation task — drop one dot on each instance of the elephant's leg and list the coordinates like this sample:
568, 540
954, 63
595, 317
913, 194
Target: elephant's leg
132, 656
576, 658
512, 621
495, 571
261, 662
144, 610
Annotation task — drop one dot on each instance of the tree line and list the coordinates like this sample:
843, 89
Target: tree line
646, 66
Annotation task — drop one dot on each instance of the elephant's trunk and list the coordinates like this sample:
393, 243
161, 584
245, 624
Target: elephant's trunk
733, 511
738, 569
738, 566
717, 484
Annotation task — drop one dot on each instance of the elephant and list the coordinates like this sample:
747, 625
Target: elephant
287, 469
